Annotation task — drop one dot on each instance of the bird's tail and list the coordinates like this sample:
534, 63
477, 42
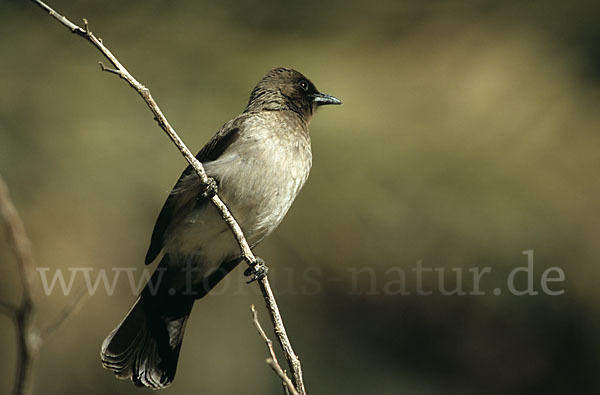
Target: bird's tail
145, 346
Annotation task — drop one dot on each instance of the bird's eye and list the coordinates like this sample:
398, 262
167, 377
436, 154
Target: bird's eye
304, 85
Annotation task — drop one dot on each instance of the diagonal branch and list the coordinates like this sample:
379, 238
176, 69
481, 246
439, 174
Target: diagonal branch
273, 362
246, 252
144, 92
284, 341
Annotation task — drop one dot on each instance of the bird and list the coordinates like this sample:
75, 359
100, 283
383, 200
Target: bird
257, 163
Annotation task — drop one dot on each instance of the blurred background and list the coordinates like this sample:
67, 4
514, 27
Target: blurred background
469, 134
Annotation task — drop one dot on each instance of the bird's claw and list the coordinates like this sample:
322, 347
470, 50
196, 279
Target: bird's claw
257, 271
210, 189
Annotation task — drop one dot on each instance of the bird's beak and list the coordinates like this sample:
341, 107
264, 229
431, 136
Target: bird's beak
320, 99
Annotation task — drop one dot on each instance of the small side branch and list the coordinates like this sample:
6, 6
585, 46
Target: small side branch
246, 251
272, 362
282, 337
109, 70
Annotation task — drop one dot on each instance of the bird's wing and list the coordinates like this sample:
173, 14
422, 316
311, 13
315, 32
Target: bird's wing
211, 151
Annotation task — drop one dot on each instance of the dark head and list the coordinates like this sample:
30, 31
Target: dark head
287, 89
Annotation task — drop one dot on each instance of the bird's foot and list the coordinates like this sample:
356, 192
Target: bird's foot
257, 271
210, 189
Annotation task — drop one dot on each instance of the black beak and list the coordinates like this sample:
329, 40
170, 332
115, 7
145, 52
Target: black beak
320, 99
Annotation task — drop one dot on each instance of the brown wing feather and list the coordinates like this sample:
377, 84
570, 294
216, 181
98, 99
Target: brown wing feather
211, 151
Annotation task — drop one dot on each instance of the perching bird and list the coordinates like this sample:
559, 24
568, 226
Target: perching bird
259, 161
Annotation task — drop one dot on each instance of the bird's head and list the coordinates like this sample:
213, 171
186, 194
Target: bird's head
287, 89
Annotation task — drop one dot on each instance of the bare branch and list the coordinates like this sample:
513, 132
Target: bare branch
262, 333
292, 359
60, 18
109, 70
246, 252
289, 386
162, 122
272, 361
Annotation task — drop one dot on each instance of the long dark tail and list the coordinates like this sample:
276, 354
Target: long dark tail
145, 346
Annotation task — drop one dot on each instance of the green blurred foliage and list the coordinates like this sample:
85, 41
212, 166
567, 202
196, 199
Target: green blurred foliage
468, 134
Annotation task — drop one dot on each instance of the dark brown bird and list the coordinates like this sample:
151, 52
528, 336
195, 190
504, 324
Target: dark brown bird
259, 161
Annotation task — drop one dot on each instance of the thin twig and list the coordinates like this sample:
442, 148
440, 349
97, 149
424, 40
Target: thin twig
50, 327
272, 361
144, 92
287, 383
246, 252
284, 341
263, 334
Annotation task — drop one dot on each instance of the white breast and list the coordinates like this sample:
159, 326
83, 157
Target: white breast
259, 177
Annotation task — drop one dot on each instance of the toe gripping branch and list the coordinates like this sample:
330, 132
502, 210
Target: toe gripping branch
257, 271
210, 189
